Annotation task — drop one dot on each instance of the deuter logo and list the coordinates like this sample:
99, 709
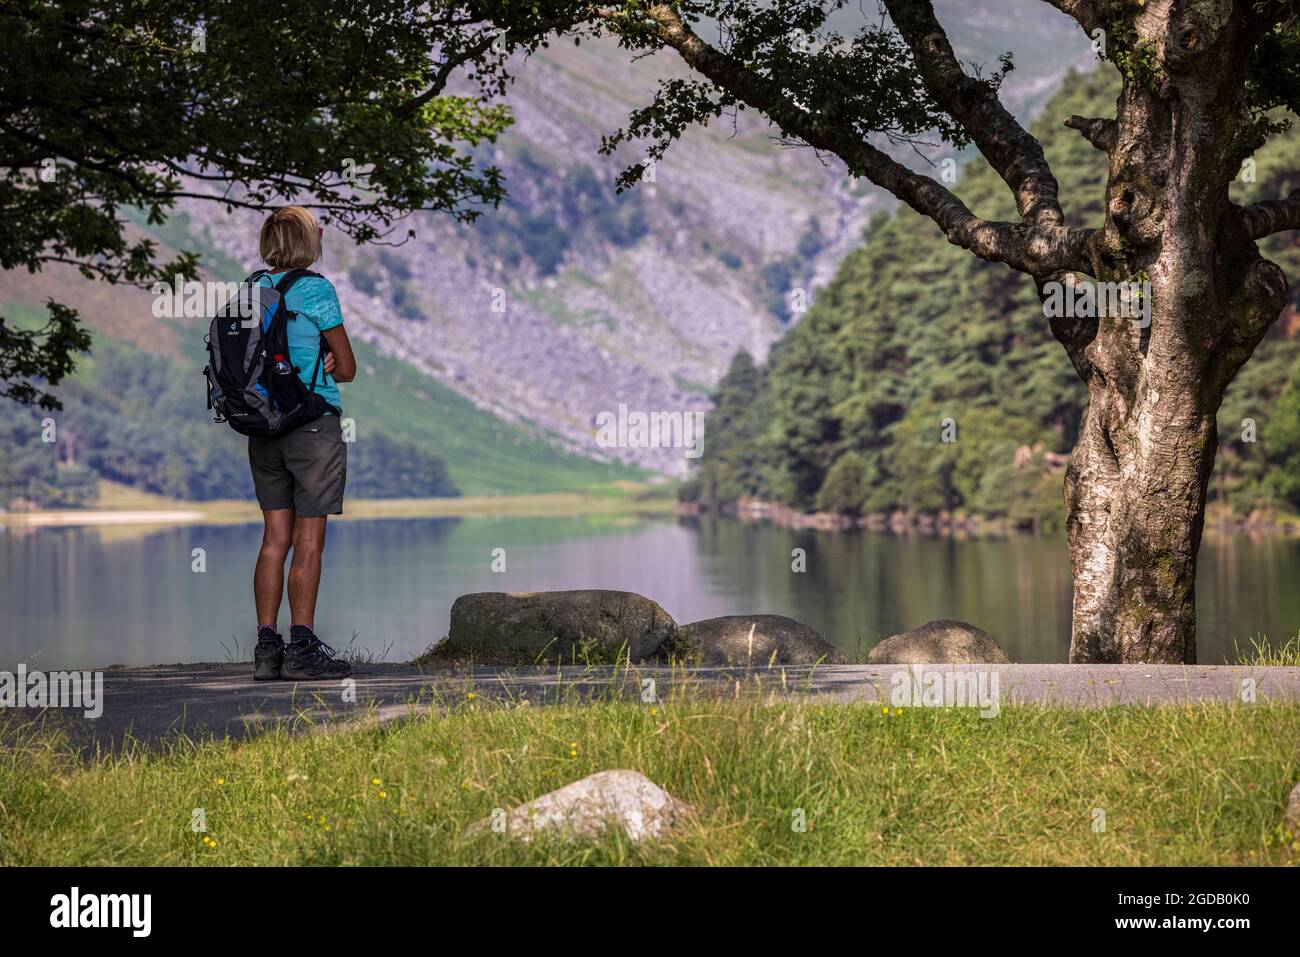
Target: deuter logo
75, 909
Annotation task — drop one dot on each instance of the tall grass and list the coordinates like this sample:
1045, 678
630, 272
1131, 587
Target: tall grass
1263, 653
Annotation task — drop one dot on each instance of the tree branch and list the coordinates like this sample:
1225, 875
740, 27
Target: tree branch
1038, 249
1075, 334
1086, 13
1271, 216
444, 72
1010, 149
1100, 132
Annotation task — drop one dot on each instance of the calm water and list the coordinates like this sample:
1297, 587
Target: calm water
92, 597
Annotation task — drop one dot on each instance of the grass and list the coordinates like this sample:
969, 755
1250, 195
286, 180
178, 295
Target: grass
116, 496
1204, 784
484, 454
613, 498
1263, 653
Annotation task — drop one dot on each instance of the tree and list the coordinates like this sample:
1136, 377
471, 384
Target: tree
118, 106
1282, 444
1203, 83
733, 434
846, 485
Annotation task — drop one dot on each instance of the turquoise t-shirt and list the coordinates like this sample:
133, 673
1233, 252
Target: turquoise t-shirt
317, 304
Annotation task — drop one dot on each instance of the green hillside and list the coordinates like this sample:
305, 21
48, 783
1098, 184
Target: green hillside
140, 419
848, 411
484, 454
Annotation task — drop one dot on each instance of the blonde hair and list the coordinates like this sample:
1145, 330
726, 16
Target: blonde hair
290, 238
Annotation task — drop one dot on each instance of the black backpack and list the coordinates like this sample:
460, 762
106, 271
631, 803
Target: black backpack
252, 382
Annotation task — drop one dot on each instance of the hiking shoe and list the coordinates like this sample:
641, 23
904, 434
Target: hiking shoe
309, 659
268, 655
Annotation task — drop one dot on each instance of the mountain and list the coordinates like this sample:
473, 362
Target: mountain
638, 298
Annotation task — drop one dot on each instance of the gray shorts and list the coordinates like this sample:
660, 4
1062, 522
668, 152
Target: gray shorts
304, 470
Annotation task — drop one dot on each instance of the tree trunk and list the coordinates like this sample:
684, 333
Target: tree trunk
1135, 504
1136, 485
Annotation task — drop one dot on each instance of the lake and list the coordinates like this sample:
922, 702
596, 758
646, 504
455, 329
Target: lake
91, 597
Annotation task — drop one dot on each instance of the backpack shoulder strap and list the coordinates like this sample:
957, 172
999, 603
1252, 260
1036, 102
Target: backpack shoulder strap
292, 276
255, 276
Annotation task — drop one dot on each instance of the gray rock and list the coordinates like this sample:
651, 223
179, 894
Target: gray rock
755, 640
588, 624
1293, 810
585, 808
941, 642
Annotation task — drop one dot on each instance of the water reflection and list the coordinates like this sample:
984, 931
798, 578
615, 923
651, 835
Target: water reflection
95, 596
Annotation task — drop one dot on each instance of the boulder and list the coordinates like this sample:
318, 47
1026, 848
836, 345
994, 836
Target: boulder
942, 642
585, 625
585, 808
755, 639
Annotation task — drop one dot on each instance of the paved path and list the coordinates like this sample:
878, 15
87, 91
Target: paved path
207, 700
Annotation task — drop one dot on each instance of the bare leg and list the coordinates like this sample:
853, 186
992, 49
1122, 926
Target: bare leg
268, 577
304, 570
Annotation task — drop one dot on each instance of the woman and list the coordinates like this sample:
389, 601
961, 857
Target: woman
299, 476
